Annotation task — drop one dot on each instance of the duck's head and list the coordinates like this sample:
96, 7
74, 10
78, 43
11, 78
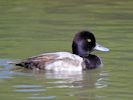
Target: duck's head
84, 43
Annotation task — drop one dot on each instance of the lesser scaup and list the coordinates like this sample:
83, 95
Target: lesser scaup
83, 44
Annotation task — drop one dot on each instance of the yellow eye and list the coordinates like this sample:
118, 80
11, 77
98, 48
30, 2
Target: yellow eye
89, 40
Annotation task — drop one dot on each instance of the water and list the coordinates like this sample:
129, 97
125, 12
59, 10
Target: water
28, 28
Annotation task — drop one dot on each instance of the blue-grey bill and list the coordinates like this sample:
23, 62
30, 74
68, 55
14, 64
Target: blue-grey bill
100, 48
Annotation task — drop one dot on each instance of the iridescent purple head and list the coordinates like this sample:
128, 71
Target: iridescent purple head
84, 43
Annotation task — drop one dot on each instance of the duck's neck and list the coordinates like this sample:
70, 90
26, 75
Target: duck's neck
78, 50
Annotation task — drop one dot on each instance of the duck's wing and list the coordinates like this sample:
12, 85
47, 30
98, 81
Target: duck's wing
38, 61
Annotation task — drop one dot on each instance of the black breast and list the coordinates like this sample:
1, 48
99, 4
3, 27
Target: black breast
92, 61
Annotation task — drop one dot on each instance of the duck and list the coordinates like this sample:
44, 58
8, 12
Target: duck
80, 59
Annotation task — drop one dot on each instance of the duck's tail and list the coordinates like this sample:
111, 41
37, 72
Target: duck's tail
16, 63
27, 64
11, 62
19, 64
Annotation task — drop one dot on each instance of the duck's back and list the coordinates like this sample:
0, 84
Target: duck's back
58, 61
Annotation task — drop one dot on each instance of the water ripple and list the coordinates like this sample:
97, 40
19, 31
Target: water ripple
29, 88
101, 82
5, 69
42, 97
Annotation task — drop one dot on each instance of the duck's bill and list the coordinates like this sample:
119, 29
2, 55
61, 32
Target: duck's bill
100, 48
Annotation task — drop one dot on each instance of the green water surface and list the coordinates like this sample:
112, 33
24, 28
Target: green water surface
31, 27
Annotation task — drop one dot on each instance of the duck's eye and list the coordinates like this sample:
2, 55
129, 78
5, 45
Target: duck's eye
89, 40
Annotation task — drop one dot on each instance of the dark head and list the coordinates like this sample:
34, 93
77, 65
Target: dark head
84, 43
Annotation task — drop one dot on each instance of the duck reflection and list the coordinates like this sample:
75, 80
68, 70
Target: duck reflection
90, 78
84, 84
